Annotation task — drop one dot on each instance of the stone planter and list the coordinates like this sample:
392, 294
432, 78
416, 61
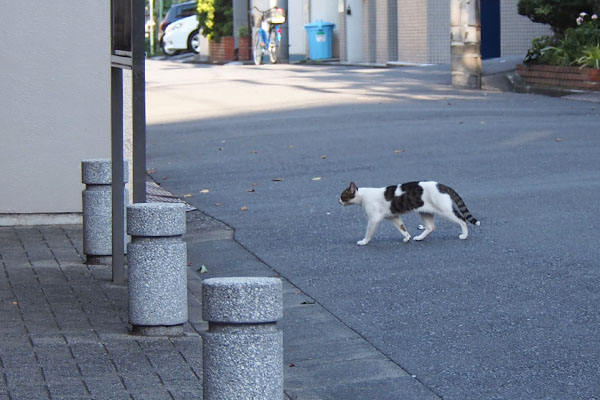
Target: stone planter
558, 76
224, 50
244, 48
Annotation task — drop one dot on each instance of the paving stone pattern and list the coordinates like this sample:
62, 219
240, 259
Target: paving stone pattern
64, 331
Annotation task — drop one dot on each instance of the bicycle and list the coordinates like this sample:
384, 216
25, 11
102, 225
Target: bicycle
268, 21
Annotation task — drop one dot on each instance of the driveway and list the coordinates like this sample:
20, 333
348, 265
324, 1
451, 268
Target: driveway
511, 313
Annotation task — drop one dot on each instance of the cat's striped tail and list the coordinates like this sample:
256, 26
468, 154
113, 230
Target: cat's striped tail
462, 207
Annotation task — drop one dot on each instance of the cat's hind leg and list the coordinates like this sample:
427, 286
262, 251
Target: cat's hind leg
428, 221
459, 219
371, 228
397, 221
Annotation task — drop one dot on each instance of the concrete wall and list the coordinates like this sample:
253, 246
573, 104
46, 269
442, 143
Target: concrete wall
55, 81
424, 31
297, 18
413, 31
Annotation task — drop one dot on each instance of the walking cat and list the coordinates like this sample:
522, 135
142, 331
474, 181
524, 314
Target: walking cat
425, 197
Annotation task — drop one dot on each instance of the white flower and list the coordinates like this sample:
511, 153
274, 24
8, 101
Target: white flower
594, 17
583, 14
579, 21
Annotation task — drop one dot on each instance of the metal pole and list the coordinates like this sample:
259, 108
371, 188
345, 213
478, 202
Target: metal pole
139, 102
151, 9
285, 48
118, 229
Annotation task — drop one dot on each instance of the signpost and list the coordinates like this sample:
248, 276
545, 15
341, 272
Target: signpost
127, 52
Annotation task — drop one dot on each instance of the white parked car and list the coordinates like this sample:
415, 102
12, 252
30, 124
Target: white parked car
182, 35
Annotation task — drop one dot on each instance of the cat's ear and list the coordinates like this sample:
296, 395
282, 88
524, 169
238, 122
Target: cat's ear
353, 187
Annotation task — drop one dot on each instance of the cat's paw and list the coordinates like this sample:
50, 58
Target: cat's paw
462, 237
406, 239
362, 242
418, 238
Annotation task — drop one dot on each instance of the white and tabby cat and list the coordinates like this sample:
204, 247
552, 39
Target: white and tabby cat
425, 197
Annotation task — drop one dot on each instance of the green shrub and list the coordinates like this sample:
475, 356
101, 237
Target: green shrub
559, 14
590, 57
215, 18
578, 45
541, 50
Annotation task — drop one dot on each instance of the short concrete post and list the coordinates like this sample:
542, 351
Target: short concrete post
242, 350
97, 209
157, 268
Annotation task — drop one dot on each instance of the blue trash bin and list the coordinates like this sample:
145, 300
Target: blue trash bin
320, 39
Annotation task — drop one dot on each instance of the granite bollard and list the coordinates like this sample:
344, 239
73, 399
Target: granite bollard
157, 268
242, 350
96, 174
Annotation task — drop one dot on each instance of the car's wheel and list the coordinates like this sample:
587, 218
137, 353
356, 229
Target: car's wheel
169, 52
194, 41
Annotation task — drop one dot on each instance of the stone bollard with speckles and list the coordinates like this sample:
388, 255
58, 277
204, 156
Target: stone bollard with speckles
97, 209
242, 350
157, 268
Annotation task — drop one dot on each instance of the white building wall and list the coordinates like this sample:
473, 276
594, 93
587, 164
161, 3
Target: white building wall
297, 18
55, 81
438, 17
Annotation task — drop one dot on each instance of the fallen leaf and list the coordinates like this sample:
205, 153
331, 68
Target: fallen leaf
317, 178
205, 191
291, 146
189, 264
323, 157
277, 179
187, 195
292, 365
218, 204
164, 178
559, 140
15, 303
223, 141
254, 152
308, 302
251, 190
151, 171
203, 269
255, 184
244, 208
399, 151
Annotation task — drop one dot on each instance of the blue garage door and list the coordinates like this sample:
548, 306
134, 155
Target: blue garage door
490, 28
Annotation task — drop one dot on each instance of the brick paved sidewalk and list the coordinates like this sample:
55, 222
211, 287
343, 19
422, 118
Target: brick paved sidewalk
64, 328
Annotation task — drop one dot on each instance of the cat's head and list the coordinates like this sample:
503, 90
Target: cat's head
348, 195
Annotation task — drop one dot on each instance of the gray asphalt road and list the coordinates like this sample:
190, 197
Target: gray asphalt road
511, 313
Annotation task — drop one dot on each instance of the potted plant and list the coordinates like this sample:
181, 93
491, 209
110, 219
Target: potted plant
243, 35
215, 18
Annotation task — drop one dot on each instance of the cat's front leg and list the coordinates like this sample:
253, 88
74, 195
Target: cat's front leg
371, 227
428, 220
400, 225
